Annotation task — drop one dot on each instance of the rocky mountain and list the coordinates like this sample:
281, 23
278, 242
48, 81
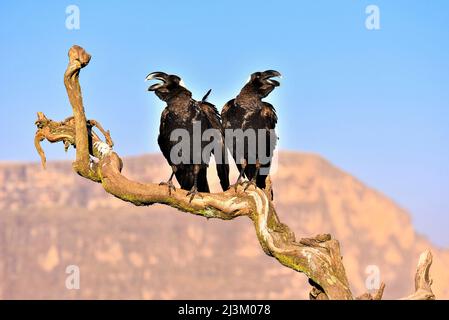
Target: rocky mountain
51, 219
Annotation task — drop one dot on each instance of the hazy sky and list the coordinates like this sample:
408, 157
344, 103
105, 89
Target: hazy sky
373, 102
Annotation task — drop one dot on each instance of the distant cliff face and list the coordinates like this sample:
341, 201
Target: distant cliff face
52, 219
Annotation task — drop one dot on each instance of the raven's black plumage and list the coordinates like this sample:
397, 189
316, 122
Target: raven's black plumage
248, 111
180, 113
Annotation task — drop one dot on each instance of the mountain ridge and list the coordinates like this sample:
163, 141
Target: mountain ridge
311, 195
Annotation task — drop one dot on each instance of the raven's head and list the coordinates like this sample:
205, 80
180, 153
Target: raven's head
262, 83
168, 85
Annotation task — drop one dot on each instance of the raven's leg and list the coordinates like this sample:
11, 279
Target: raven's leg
239, 182
169, 183
252, 182
194, 191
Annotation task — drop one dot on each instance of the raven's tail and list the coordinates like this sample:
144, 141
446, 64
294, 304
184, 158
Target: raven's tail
202, 184
206, 96
223, 174
223, 169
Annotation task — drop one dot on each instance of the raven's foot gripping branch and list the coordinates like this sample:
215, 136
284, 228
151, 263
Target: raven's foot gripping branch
318, 258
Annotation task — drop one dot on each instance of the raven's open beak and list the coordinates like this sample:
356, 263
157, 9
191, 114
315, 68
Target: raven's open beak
161, 76
269, 74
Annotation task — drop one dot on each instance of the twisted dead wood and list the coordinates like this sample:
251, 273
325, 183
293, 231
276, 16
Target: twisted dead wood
318, 258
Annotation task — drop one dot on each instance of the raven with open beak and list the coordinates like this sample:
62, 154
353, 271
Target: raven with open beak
248, 112
181, 112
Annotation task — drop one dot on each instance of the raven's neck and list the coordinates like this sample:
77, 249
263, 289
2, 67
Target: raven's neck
180, 102
248, 99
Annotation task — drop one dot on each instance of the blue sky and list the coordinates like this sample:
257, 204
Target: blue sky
375, 103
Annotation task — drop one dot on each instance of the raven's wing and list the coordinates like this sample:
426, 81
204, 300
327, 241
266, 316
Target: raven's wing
231, 120
213, 117
184, 174
226, 113
164, 133
268, 112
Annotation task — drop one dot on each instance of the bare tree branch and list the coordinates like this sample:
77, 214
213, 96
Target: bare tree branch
318, 258
423, 283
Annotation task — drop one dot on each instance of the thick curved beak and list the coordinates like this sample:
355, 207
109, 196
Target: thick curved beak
161, 76
269, 74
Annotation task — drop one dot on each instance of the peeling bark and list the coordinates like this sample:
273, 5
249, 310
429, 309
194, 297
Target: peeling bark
318, 258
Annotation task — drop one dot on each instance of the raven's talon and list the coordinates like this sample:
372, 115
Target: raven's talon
192, 193
236, 185
170, 186
249, 183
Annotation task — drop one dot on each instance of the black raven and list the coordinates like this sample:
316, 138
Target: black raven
249, 113
189, 165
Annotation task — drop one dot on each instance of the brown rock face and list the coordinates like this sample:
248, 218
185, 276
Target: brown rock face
53, 219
